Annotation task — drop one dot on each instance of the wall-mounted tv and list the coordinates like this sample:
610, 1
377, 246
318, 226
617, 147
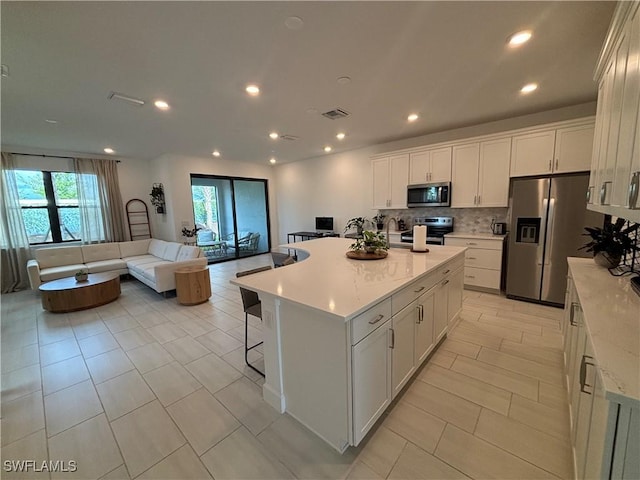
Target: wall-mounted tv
324, 223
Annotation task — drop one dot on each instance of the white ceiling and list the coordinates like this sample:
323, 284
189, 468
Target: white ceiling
448, 61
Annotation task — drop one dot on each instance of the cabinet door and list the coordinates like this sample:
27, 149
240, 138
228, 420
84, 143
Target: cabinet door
493, 180
419, 167
371, 371
586, 381
424, 325
603, 424
440, 165
454, 297
399, 178
441, 308
532, 153
574, 146
403, 352
380, 171
604, 176
464, 181
594, 177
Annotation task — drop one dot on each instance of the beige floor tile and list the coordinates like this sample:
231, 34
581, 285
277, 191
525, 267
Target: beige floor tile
541, 449
471, 315
241, 456
136, 337
442, 404
146, 436
166, 332
255, 335
32, 447
443, 358
97, 344
22, 417
182, 464
111, 310
236, 360
151, 319
20, 382
219, 342
521, 365
203, 420
51, 330
194, 326
498, 377
19, 339
149, 357
123, 394
91, 445
360, 471
186, 349
541, 355
475, 337
213, 372
119, 473
416, 464
554, 342
302, 452
58, 351
479, 459
120, 324
416, 425
510, 323
19, 358
488, 329
171, 382
539, 310
551, 420
68, 407
468, 388
473, 308
532, 319
109, 365
88, 328
553, 395
223, 321
63, 374
459, 347
382, 450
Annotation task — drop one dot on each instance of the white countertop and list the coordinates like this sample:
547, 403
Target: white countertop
612, 318
330, 282
478, 236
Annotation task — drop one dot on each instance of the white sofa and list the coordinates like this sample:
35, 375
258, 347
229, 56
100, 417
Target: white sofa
151, 261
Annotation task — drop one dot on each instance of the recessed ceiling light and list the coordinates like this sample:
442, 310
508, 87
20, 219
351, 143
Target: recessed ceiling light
340, 136
161, 104
344, 80
519, 38
215, 153
294, 23
327, 149
272, 160
253, 90
413, 117
273, 135
49, 120
109, 150
530, 87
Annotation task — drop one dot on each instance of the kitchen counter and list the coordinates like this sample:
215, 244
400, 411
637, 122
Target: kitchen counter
478, 236
611, 313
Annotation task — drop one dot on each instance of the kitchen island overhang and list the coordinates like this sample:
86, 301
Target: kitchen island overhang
313, 315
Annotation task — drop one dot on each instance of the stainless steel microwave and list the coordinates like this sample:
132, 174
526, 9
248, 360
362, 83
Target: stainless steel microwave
429, 195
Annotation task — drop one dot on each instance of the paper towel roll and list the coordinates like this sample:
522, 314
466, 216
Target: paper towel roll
419, 238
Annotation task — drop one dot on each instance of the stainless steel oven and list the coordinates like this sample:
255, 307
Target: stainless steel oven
437, 228
429, 195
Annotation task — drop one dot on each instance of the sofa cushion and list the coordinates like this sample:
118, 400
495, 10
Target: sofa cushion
106, 265
148, 270
135, 248
171, 251
187, 252
157, 247
58, 257
54, 273
140, 260
102, 251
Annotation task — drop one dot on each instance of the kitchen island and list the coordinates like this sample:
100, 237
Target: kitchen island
342, 337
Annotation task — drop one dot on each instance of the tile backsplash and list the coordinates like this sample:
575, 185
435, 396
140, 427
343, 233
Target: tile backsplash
465, 220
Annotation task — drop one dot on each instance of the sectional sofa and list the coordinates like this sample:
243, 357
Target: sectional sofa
151, 261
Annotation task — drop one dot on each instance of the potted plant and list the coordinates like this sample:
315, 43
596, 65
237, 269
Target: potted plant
357, 223
157, 197
610, 242
378, 219
81, 276
189, 233
371, 242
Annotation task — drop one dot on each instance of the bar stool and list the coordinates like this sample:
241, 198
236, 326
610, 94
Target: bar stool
251, 306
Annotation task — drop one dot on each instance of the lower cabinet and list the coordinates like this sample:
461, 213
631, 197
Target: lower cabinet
483, 259
403, 337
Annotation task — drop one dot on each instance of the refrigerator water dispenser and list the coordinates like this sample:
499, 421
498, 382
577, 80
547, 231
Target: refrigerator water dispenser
528, 230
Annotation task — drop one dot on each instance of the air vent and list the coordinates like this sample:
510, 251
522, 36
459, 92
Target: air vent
125, 98
289, 137
336, 113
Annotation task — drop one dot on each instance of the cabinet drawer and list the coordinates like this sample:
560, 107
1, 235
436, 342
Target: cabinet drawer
368, 321
475, 243
482, 258
481, 277
408, 294
450, 267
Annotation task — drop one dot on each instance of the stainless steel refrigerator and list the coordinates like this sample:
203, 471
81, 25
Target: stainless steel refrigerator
548, 216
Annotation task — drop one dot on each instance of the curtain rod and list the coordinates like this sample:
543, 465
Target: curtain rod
43, 155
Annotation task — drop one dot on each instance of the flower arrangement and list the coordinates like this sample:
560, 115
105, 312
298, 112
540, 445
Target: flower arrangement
371, 242
190, 232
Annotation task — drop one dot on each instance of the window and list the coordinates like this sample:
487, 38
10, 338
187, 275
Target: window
49, 203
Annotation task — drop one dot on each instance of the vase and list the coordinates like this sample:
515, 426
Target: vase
81, 277
607, 260
359, 230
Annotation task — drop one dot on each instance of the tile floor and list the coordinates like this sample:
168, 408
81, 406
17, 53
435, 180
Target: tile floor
146, 388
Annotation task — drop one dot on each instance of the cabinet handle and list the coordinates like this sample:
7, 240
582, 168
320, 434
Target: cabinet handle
471, 243
393, 338
556, 164
603, 193
475, 199
418, 314
469, 276
373, 321
446, 271
583, 373
445, 282
572, 312
589, 194
479, 201
549, 165
418, 290
471, 258
634, 186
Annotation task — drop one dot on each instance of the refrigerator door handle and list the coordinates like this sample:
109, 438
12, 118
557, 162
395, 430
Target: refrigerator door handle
543, 233
549, 234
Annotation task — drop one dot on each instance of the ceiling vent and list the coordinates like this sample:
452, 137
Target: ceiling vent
126, 98
289, 137
336, 113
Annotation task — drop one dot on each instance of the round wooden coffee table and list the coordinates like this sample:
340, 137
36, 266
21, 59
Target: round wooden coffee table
67, 295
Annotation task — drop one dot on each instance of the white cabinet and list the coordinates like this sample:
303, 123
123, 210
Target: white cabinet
573, 150
480, 174
390, 179
454, 299
403, 359
425, 324
482, 261
430, 166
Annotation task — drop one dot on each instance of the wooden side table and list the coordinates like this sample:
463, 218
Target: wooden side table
193, 285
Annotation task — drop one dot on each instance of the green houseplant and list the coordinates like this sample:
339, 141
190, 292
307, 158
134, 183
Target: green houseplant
610, 242
357, 223
378, 219
157, 197
81, 276
371, 242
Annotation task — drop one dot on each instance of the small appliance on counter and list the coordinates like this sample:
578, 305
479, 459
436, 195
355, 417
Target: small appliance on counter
498, 228
402, 226
437, 228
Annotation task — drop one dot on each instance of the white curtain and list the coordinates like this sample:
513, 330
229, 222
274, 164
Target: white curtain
100, 201
14, 243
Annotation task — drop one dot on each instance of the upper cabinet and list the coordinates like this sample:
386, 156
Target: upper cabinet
430, 166
615, 169
390, 179
480, 174
552, 151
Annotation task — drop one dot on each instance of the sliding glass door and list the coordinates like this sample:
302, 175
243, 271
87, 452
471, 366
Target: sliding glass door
232, 215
